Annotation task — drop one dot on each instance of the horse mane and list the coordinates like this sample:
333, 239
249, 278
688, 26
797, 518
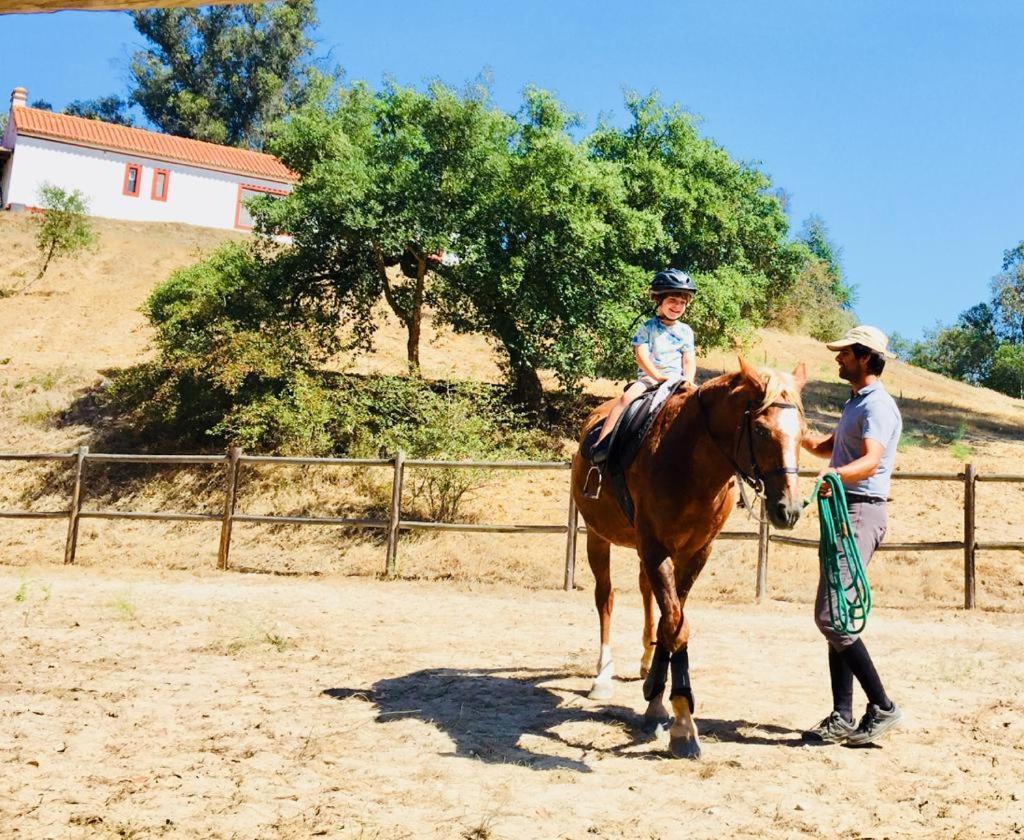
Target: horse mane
779, 386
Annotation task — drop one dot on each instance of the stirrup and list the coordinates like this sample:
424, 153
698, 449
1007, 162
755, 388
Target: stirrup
595, 493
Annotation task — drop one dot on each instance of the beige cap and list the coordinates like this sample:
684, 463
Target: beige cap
870, 337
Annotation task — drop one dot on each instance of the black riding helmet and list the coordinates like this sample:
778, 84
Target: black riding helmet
672, 281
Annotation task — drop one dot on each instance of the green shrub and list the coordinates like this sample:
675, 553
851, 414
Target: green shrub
446, 422
813, 306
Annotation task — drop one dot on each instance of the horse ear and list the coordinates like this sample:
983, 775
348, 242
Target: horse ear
750, 373
800, 376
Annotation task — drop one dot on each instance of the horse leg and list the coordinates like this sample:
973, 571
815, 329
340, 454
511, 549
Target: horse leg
650, 636
684, 742
658, 571
599, 557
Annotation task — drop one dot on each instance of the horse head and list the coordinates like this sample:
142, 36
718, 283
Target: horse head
772, 428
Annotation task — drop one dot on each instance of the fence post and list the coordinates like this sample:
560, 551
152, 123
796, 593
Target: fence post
71, 544
969, 536
762, 553
230, 496
570, 545
396, 514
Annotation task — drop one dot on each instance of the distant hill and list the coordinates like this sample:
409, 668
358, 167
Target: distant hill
83, 319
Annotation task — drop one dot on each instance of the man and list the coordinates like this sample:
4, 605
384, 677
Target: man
861, 452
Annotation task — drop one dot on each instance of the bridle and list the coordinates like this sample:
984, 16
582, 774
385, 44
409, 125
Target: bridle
755, 476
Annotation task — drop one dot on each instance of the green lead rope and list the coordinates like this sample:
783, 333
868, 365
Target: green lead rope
849, 601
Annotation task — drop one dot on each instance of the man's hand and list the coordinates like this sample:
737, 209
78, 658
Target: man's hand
825, 490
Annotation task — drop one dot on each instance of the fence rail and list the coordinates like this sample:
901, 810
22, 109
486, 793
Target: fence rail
234, 460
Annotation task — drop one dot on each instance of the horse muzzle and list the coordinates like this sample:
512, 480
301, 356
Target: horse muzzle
782, 512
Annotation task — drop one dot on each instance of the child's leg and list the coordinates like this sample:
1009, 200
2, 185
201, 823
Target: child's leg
630, 394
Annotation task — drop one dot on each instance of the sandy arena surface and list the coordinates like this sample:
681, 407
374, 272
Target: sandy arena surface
228, 706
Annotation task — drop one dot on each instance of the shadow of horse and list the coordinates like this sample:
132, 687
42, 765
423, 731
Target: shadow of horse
531, 719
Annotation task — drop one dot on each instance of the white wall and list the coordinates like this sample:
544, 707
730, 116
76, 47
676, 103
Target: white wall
195, 196
5, 175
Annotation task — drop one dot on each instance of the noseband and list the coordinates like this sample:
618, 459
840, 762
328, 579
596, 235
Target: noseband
754, 478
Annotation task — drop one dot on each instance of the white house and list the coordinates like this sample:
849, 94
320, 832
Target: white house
130, 173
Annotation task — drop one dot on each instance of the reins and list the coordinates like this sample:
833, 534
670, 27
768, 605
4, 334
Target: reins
756, 481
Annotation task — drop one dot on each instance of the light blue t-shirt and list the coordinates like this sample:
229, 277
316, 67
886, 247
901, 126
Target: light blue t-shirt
665, 344
870, 413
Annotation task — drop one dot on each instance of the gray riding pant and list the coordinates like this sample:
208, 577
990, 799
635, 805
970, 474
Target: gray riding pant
869, 523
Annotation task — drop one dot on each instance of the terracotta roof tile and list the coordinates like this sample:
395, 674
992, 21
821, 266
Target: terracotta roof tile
102, 135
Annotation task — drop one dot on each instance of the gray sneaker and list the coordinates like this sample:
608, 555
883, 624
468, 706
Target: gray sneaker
875, 723
832, 730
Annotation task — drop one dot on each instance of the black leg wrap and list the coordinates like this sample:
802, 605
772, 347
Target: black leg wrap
681, 678
657, 677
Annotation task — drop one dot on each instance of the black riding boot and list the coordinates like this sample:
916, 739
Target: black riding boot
858, 660
842, 684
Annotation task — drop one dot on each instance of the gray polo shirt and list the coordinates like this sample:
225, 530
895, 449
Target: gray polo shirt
870, 413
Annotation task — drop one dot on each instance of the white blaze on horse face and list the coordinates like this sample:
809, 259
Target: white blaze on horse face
789, 427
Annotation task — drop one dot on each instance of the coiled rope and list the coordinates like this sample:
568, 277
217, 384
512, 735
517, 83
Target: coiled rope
849, 600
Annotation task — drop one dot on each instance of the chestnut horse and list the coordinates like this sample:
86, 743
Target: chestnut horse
747, 424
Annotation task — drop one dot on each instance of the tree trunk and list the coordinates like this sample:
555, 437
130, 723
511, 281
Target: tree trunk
46, 263
411, 318
526, 387
415, 320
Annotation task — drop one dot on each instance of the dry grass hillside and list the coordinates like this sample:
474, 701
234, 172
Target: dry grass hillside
82, 321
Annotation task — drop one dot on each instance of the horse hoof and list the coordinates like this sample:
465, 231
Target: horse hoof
656, 725
684, 748
601, 691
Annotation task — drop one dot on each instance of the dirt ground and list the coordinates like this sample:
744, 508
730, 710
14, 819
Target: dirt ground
230, 706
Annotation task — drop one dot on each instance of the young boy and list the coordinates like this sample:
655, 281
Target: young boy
664, 347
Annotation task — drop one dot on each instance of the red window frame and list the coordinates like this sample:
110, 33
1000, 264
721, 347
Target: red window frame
128, 167
167, 184
238, 201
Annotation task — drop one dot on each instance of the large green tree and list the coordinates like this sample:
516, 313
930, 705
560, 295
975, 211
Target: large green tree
1008, 296
986, 344
511, 226
389, 182
815, 236
547, 259
718, 217
962, 351
223, 73
111, 109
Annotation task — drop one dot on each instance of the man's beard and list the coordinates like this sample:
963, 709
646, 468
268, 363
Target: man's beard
846, 374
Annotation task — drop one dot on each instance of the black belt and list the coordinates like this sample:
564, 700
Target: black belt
860, 499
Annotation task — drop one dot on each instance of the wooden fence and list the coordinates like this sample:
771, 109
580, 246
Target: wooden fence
234, 461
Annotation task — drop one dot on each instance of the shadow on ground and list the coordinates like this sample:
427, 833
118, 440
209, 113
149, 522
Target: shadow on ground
495, 715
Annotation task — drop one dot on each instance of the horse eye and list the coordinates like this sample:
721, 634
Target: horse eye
762, 431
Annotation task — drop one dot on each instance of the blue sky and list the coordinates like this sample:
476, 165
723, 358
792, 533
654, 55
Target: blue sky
901, 124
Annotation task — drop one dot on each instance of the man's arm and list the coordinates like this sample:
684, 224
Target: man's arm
865, 466
646, 363
819, 445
